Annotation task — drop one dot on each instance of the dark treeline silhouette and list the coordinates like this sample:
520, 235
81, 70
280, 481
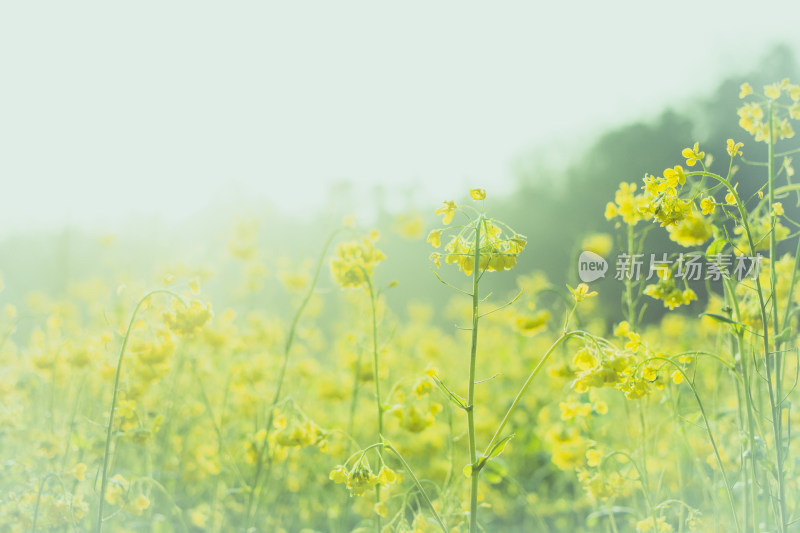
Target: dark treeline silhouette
557, 208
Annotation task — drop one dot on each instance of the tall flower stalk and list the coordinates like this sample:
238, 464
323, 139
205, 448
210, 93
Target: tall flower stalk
264, 457
482, 244
352, 267
184, 319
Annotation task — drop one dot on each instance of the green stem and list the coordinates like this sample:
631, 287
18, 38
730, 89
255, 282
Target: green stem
419, 486
525, 386
375, 356
629, 282
354, 395
473, 454
777, 408
109, 429
253, 498
751, 490
728, 487
774, 407
642, 482
376, 377
39, 497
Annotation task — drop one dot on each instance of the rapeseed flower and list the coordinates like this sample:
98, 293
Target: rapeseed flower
354, 261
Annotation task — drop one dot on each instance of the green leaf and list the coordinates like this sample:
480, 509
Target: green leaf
468, 471
785, 336
500, 447
721, 318
496, 450
455, 398
716, 247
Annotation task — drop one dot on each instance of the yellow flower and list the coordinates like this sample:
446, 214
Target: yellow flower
116, 489
581, 292
477, 194
772, 91
708, 205
745, 89
674, 177
647, 525
194, 286
734, 148
627, 204
584, 360
199, 516
599, 243
138, 505
777, 209
355, 260
649, 373
730, 198
634, 342
338, 475
530, 325
688, 296
409, 225
386, 475
611, 210
594, 457
750, 119
381, 509
672, 210
186, 319
431, 371
622, 329
677, 377
78, 472
435, 238
693, 154
691, 231
448, 210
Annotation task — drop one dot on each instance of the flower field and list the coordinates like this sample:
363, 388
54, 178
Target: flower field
259, 393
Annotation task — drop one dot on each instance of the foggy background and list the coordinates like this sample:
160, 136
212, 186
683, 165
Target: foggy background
116, 114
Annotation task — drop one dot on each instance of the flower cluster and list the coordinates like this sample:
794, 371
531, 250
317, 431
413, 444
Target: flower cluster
532, 324
753, 119
360, 476
497, 251
666, 290
693, 230
415, 419
354, 261
187, 319
296, 431
627, 204
606, 368
598, 366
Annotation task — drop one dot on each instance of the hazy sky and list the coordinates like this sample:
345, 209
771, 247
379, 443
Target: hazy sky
114, 109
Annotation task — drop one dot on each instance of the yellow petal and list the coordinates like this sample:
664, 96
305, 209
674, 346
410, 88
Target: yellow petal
477, 194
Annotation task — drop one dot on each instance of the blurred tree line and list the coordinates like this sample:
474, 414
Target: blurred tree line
557, 208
